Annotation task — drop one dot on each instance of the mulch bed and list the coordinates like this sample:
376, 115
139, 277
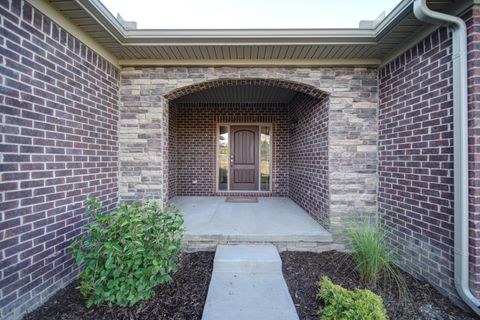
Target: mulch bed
182, 298
303, 269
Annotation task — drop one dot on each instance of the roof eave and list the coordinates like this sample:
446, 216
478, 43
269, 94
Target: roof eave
241, 36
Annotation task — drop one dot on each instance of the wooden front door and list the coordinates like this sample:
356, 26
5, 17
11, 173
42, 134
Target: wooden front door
244, 157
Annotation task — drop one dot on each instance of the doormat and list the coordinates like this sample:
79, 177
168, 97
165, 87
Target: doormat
242, 199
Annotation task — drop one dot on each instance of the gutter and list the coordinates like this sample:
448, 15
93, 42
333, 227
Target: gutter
460, 145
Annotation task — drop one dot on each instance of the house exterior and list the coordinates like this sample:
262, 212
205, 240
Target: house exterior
343, 122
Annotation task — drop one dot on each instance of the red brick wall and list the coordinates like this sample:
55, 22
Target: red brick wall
195, 135
308, 155
472, 20
58, 142
416, 158
172, 151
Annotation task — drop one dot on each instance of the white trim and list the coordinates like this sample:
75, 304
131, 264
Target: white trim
217, 156
364, 37
249, 62
160, 36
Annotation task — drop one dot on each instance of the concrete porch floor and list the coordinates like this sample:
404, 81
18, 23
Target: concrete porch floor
210, 221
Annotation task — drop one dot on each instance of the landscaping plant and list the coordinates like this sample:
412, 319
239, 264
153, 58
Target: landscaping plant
373, 259
126, 252
344, 304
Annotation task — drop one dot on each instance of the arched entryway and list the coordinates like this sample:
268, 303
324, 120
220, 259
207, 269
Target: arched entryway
150, 97
262, 137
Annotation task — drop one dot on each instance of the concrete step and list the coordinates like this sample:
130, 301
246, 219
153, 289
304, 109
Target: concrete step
308, 246
247, 284
319, 235
247, 259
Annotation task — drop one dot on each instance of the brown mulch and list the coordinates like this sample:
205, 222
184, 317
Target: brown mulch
182, 298
303, 269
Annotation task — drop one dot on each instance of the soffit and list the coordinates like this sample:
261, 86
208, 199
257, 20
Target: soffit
355, 46
240, 94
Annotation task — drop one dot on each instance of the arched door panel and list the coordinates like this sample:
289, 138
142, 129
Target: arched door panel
244, 158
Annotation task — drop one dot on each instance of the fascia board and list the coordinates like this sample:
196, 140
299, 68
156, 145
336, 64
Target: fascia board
400, 10
163, 36
233, 37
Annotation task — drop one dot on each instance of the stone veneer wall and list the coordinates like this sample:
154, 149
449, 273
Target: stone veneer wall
416, 157
144, 94
143, 146
308, 155
196, 130
58, 144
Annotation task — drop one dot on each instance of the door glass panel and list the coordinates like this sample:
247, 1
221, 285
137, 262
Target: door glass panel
265, 158
223, 158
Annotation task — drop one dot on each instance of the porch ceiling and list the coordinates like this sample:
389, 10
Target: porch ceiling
249, 46
240, 93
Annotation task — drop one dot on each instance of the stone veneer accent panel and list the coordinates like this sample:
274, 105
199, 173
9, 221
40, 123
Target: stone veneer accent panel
58, 144
196, 130
352, 115
144, 148
308, 155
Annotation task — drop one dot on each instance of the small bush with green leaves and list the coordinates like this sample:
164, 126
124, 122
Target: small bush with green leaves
126, 252
344, 304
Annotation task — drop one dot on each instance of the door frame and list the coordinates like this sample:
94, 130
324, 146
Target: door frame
217, 155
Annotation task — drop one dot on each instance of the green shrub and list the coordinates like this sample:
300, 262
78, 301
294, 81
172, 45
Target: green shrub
344, 304
126, 252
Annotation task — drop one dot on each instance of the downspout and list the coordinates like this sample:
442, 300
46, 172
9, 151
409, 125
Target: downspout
460, 145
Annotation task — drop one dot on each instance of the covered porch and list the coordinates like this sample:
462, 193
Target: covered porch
250, 138
238, 132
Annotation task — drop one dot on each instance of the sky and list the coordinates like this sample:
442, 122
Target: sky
245, 14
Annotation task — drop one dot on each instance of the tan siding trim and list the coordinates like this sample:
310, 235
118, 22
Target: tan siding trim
249, 62
54, 15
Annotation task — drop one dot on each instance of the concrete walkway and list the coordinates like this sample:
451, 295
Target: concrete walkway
247, 284
273, 219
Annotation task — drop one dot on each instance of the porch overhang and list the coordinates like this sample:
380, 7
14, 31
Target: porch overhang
373, 45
